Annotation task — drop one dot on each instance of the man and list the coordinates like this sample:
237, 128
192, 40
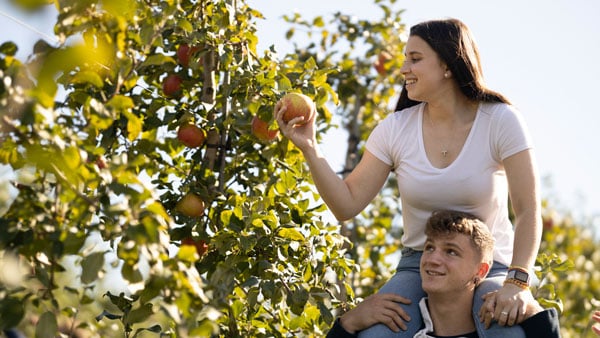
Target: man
456, 258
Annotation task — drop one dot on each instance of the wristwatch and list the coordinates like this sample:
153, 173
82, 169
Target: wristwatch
519, 275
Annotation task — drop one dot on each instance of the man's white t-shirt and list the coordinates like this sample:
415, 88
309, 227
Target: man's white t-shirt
475, 182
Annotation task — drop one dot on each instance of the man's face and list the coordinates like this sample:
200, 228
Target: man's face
449, 264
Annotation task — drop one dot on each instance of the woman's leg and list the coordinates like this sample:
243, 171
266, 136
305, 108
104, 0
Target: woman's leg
493, 282
406, 282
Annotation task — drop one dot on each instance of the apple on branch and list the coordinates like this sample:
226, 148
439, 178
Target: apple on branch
261, 130
200, 245
191, 135
172, 86
191, 205
297, 105
382, 59
185, 53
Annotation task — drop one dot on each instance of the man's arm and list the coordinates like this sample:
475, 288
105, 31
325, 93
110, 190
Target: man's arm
543, 324
379, 308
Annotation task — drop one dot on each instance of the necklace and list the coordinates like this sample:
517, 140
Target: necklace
445, 145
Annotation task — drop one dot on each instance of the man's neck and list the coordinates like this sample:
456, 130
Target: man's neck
451, 315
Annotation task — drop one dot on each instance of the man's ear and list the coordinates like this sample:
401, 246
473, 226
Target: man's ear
484, 268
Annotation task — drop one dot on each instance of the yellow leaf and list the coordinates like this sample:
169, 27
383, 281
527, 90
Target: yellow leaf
291, 233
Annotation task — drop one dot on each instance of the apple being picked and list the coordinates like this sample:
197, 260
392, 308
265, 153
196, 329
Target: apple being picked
261, 130
191, 205
297, 105
172, 85
190, 135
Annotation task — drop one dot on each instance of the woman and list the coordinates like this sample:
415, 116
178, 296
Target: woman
453, 144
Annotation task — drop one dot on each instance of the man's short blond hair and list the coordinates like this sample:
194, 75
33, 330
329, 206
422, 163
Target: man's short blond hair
448, 222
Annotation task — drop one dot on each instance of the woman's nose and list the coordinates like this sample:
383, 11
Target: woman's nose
405, 69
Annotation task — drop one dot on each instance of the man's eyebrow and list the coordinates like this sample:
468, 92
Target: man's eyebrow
447, 244
453, 245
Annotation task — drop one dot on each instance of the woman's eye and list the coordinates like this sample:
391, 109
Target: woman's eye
452, 253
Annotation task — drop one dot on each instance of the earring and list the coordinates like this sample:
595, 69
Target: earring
447, 74
475, 280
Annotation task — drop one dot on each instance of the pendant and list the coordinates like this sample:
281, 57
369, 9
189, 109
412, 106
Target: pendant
444, 153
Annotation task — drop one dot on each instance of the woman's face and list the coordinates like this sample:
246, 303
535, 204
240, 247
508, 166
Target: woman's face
423, 71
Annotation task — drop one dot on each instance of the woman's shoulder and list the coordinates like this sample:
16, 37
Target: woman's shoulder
498, 108
499, 111
406, 113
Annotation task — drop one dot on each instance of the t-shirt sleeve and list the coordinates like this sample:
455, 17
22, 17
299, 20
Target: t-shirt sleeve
378, 141
338, 331
511, 134
542, 325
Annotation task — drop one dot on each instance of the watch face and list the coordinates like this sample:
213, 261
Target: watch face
522, 276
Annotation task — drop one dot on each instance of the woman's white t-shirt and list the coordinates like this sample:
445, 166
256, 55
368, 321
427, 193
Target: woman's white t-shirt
475, 182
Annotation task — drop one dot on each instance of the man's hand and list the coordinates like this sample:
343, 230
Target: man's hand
379, 308
596, 318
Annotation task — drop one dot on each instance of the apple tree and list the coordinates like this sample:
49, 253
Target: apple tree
148, 187
217, 232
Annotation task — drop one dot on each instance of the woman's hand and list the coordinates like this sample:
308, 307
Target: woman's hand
508, 306
301, 133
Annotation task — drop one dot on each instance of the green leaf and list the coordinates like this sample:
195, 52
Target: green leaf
185, 25
157, 60
131, 273
11, 312
91, 266
140, 314
156, 329
187, 253
8, 48
120, 103
89, 77
326, 314
47, 327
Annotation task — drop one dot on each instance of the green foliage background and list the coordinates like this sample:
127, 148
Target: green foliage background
94, 237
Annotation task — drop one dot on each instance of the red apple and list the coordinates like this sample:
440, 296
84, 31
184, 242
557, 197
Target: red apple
191, 205
261, 130
101, 162
172, 85
297, 105
185, 53
190, 135
200, 244
379, 65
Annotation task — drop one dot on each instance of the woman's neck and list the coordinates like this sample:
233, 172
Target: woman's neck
460, 109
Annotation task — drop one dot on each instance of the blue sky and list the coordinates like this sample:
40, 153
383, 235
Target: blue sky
542, 54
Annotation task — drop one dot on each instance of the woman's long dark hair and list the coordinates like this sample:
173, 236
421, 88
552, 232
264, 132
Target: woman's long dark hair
453, 42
